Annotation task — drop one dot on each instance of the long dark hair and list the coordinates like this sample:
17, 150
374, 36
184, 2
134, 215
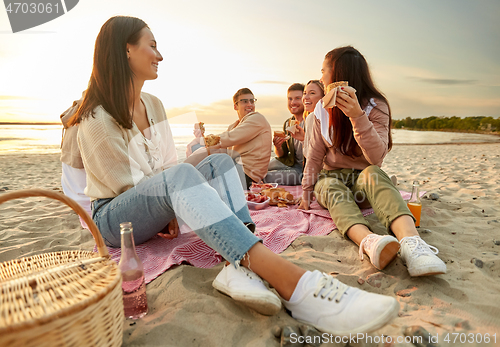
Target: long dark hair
111, 83
349, 65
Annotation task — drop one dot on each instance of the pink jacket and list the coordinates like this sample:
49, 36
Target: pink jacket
371, 132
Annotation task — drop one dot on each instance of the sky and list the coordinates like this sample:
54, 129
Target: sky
430, 58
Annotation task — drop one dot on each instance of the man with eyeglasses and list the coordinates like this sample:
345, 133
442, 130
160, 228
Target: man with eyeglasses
250, 137
286, 168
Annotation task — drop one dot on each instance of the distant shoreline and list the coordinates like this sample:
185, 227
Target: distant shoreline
34, 123
279, 125
452, 131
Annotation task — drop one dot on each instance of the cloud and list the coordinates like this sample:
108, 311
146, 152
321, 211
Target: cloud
222, 112
444, 81
15, 97
406, 105
272, 82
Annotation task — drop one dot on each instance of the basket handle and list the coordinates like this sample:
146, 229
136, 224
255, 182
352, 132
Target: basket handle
26, 193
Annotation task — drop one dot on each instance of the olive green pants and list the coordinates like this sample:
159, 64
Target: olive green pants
343, 192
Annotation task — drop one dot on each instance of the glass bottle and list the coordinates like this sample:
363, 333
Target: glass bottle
414, 204
133, 284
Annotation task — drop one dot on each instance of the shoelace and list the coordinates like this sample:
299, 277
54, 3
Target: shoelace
366, 243
332, 287
418, 246
250, 274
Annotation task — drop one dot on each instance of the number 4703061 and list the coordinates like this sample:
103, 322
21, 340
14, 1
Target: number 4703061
470, 338
24, 7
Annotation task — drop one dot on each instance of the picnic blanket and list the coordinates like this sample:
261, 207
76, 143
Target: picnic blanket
277, 227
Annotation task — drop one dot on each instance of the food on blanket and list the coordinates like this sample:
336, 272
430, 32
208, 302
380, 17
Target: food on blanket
261, 185
334, 85
211, 140
257, 198
257, 187
279, 195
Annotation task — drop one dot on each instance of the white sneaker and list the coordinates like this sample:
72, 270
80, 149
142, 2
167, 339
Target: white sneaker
248, 288
420, 258
335, 308
381, 249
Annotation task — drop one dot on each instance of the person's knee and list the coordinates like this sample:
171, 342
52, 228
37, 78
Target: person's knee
180, 170
220, 157
372, 169
221, 160
325, 183
370, 176
332, 195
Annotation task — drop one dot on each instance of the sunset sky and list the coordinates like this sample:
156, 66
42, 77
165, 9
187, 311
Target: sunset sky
429, 57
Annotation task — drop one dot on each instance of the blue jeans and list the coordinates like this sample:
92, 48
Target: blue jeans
208, 198
277, 172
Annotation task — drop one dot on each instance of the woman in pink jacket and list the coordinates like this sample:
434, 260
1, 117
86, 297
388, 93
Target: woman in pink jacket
347, 146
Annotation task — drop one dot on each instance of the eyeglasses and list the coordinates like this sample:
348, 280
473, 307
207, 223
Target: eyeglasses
246, 101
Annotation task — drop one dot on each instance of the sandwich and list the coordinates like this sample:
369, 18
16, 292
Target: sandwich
281, 134
329, 100
334, 85
211, 140
279, 196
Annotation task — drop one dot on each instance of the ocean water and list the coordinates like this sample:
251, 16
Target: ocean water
47, 138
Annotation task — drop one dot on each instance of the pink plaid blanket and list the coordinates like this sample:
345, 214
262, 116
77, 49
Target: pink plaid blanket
277, 227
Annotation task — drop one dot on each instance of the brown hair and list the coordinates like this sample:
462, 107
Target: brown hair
242, 91
319, 84
296, 86
111, 82
349, 65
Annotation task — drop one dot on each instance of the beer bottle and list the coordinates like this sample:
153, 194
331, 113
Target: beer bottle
414, 204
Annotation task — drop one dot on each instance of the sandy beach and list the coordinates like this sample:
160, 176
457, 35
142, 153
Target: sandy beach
185, 310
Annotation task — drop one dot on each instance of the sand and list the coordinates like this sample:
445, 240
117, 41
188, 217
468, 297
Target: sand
186, 311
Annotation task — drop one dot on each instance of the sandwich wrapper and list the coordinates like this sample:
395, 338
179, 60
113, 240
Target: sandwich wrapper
292, 129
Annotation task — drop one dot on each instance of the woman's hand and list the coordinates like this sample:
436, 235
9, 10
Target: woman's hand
172, 229
300, 134
348, 103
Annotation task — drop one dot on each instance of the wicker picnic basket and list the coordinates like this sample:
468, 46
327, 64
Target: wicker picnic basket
67, 298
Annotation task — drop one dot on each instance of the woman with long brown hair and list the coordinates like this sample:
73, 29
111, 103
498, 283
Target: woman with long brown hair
132, 178
348, 144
